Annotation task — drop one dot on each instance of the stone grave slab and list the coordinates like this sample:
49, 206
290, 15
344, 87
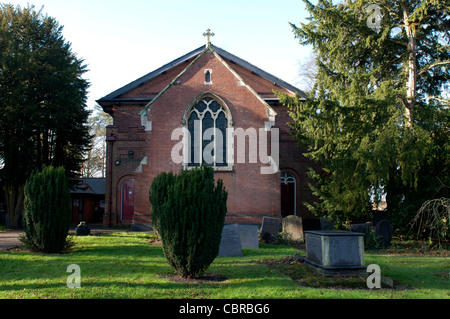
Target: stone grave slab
249, 236
359, 227
230, 243
293, 227
270, 228
335, 251
384, 229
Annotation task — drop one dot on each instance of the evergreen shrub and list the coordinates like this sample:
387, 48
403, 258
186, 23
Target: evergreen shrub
47, 210
188, 212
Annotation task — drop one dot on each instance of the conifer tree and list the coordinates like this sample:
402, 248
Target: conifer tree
43, 115
188, 212
47, 210
378, 116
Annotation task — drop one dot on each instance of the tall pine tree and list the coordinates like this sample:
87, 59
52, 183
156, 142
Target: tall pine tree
42, 101
378, 116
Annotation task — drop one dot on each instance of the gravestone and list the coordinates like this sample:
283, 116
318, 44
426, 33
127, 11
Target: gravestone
249, 236
293, 227
359, 227
230, 242
384, 229
270, 229
335, 251
82, 229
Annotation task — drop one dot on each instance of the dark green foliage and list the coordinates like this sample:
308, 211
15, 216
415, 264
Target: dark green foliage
377, 119
372, 241
43, 114
47, 210
188, 212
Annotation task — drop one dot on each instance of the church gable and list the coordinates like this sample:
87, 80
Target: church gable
210, 72
146, 88
207, 73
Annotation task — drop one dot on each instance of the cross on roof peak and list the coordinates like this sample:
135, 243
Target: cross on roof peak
208, 34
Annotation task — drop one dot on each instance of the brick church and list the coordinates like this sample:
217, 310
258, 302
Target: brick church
208, 107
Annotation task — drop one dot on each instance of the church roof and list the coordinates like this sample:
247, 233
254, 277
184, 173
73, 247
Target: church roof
117, 95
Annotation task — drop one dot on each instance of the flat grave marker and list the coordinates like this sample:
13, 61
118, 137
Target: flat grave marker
230, 243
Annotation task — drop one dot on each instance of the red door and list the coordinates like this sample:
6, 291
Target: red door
127, 200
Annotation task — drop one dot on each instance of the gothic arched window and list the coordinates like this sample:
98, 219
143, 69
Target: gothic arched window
207, 123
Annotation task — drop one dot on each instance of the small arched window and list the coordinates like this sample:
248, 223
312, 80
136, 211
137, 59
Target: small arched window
207, 123
208, 76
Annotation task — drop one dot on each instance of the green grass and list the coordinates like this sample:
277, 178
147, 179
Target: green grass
126, 265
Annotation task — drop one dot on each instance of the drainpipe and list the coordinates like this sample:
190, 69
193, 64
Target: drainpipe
111, 140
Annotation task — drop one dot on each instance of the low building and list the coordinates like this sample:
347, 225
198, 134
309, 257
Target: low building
88, 201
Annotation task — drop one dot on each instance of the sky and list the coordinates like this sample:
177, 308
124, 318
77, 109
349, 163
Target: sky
121, 41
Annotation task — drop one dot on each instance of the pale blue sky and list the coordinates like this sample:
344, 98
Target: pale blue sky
124, 40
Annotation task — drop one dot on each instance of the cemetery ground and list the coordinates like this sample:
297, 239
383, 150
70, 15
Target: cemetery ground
132, 265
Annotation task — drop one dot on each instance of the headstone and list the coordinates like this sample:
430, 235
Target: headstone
249, 236
335, 251
293, 227
359, 227
384, 229
270, 228
82, 229
230, 243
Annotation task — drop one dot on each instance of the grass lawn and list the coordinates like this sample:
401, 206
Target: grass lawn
128, 265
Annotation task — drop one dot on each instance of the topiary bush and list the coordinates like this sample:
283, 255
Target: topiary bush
47, 210
188, 212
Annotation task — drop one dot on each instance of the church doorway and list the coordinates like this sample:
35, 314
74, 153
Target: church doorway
127, 199
288, 186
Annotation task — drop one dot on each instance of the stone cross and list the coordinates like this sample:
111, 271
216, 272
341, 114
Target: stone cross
208, 34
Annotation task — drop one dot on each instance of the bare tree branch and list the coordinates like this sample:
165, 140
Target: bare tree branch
433, 65
446, 101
